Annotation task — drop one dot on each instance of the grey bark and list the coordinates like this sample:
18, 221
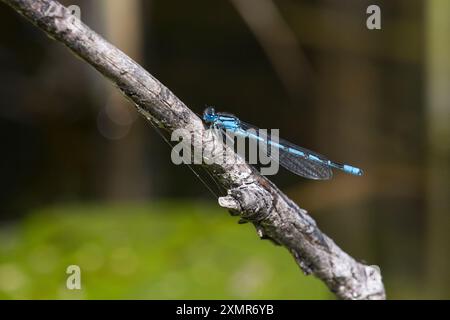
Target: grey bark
250, 195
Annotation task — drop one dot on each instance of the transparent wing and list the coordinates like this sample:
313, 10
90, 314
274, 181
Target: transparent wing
312, 169
303, 166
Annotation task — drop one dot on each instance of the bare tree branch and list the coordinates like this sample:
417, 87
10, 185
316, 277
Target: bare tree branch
250, 195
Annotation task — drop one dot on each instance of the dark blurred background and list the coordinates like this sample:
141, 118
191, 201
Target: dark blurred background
85, 180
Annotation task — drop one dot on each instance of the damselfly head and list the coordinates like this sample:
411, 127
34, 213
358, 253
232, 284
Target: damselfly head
209, 115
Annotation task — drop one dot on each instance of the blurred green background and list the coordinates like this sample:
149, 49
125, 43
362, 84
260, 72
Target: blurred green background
165, 251
86, 181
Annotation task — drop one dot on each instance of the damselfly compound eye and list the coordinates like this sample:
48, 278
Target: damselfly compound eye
210, 111
209, 114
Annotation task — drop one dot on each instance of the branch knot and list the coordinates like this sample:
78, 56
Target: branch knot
252, 201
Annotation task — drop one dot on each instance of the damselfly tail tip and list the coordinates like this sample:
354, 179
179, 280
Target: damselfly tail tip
353, 170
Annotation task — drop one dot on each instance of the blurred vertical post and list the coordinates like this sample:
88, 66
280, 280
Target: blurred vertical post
126, 176
346, 101
438, 121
